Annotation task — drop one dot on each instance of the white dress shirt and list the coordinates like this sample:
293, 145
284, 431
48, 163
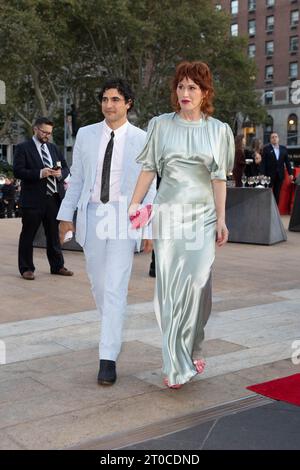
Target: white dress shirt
277, 151
116, 163
38, 146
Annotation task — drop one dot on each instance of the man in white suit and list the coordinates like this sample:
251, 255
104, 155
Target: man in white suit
103, 178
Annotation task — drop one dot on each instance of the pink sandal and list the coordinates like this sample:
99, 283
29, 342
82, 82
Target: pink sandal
166, 382
200, 365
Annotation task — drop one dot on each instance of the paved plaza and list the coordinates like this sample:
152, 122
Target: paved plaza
49, 396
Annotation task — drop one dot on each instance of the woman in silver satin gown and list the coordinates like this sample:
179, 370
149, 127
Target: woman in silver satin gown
192, 152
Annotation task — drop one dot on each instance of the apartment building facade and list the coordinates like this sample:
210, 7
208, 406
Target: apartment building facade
272, 29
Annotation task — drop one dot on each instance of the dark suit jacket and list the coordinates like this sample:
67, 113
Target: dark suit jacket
27, 166
270, 166
8, 192
239, 167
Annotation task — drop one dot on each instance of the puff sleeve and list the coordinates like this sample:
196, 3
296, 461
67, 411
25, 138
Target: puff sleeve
150, 157
223, 164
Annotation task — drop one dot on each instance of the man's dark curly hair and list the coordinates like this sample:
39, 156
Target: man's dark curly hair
123, 88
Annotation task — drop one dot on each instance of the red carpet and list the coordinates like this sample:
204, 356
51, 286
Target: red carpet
285, 389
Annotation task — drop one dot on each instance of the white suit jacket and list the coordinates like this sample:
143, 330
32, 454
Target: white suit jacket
84, 168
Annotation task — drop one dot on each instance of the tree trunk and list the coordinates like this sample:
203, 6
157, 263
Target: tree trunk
38, 92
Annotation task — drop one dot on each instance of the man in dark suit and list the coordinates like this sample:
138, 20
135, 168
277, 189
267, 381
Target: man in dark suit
42, 169
8, 198
274, 158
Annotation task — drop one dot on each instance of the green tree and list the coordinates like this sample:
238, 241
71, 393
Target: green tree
33, 54
71, 46
143, 40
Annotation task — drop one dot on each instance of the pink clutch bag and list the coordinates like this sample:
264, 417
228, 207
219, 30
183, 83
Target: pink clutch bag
142, 217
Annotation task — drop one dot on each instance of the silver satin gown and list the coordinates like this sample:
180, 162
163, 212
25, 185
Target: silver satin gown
187, 155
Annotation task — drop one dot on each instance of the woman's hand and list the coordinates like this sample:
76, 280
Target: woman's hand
133, 208
222, 232
143, 184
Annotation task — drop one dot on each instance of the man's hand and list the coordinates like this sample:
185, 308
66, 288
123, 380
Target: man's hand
56, 173
50, 172
148, 246
64, 227
47, 172
292, 177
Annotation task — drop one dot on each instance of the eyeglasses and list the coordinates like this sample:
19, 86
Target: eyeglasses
44, 132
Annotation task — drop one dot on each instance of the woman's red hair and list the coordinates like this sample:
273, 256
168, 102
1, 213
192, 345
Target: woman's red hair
200, 73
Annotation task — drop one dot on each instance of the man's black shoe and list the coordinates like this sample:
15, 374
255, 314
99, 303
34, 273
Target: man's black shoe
107, 372
152, 272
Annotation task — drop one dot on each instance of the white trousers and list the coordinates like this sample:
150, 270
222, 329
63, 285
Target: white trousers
109, 264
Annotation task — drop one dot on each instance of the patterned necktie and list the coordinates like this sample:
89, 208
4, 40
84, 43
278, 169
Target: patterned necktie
51, 183
106, 169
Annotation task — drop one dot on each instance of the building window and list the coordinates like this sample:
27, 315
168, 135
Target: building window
234, 29
270, 23
293, 43
251, 27
270, 3
268, 129
293, 70
294, 18
251, 50
292, 126
269, 48
251, 5
269, 72
234, 7
268, 97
